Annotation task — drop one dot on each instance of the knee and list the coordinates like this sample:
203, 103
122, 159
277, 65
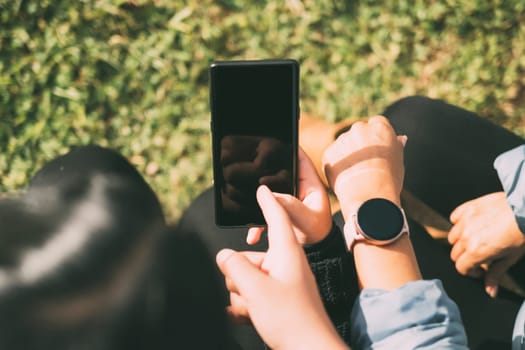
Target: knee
404, 114
411, 105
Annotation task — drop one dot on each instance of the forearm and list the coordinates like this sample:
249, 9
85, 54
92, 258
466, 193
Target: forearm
395, 309
386, 267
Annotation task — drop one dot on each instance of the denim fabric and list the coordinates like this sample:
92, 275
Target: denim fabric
418, 315
511, 171
518, 334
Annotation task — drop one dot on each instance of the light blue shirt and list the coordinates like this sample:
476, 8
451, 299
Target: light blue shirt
518, 334
511, 172
418, 315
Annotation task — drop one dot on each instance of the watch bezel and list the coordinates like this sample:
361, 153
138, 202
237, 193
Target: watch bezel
370, 219
354, 232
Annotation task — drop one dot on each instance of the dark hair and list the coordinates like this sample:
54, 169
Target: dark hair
87, 262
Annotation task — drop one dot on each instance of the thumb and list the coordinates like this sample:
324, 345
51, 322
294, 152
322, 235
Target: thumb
245, 276
456, 213
309, 180
494, 274
303, 215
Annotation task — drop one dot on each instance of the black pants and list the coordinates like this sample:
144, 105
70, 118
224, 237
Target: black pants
448, 159
450, 151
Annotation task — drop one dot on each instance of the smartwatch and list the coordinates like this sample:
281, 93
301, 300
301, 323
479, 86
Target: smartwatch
377, 221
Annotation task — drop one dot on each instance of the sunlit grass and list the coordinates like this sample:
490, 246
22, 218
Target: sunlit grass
132, 75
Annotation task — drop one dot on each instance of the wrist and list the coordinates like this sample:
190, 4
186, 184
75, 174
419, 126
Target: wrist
377, 221
377, 234
394, 264
352, 191
330, 243
351, 198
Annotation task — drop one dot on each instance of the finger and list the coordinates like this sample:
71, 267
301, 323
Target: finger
254, 235
466, 264
454, 234
244, 276
492, 290
309, 180
382, 126
494, 274
403, 139
305, 215
457, 250
313, 197
230, 286
280, 232
238, 308
379, 119
236, 317
458, 212
255, 258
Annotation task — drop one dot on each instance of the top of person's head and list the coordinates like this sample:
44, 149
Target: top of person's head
87, 262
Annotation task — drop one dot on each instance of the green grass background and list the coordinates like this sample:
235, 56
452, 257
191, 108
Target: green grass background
133, 74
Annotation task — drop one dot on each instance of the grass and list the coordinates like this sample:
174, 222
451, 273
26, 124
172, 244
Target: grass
133, 74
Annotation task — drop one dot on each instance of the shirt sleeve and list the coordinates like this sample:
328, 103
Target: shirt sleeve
334, 272
511, 172
518, 333
418, 315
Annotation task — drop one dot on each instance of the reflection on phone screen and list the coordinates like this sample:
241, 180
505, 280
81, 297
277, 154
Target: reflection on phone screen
254, 111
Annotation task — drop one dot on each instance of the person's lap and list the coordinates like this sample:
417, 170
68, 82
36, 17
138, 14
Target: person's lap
487, 320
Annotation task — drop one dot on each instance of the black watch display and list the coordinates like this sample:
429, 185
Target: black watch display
377, 221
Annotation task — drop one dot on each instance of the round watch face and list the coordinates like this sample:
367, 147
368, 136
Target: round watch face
380, 219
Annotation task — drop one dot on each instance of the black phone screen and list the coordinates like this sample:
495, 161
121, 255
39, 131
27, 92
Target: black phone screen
254, 111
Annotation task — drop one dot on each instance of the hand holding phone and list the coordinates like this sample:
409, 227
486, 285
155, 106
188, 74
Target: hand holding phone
309, 212
254, 110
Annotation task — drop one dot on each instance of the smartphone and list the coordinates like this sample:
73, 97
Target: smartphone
254, 127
